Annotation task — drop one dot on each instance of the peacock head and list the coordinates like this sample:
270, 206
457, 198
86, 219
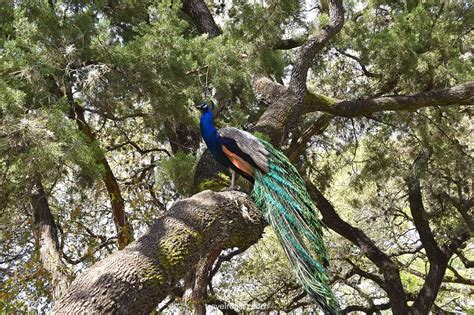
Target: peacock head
203, 106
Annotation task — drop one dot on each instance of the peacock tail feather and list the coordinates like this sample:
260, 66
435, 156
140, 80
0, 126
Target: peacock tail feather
281, 194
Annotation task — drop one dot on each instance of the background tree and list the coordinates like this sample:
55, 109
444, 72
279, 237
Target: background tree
98, 138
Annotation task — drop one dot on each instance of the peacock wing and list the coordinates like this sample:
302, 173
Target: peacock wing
243, 147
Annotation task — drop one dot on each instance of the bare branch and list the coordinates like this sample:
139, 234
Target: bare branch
458, 278
466, 262
357, 270
224, 258
361, 64
317, 128
124, 228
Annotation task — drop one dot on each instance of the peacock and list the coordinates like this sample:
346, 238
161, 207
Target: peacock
280, 192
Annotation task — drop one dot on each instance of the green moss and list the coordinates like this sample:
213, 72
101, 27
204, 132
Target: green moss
262, 136
220, 181
318, 101
198, 238
155, 277
174, 250
236, 240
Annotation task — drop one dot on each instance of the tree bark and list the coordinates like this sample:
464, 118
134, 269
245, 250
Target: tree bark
198, 11
135, 279
46, 234
438, 260
462, 94
436, 257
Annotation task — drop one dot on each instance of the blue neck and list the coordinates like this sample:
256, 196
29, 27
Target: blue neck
209, 132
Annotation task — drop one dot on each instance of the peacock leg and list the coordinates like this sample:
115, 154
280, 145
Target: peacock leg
232, 181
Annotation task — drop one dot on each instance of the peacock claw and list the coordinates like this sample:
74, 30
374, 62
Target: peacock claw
229, 188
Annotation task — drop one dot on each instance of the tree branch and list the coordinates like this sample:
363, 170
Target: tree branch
316, 128
418, 211
366, 309
198, 11
437, 258
314, 44
366, 72
462, 94
458, 278
137, 278
124, 229
357, 270
466, 262
282, 105
290, 43
392, 281
282, 116
46, 234
224, 258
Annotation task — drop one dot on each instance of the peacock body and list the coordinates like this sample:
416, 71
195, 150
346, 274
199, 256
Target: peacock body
281, 193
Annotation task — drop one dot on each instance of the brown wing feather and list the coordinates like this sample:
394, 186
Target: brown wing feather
238, 162
250, 145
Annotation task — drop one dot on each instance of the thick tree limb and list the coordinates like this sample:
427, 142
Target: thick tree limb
418, 211
462, 94
135, 279
270, 92
201, 279
290, 43
366, 309
46, 234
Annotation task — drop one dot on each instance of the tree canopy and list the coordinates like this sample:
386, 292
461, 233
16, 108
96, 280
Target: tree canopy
100, 146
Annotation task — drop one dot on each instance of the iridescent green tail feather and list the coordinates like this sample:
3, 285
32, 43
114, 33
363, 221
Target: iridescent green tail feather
281, 194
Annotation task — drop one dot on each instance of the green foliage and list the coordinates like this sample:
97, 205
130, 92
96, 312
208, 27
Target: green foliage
177, 171
409, 49
136, 67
